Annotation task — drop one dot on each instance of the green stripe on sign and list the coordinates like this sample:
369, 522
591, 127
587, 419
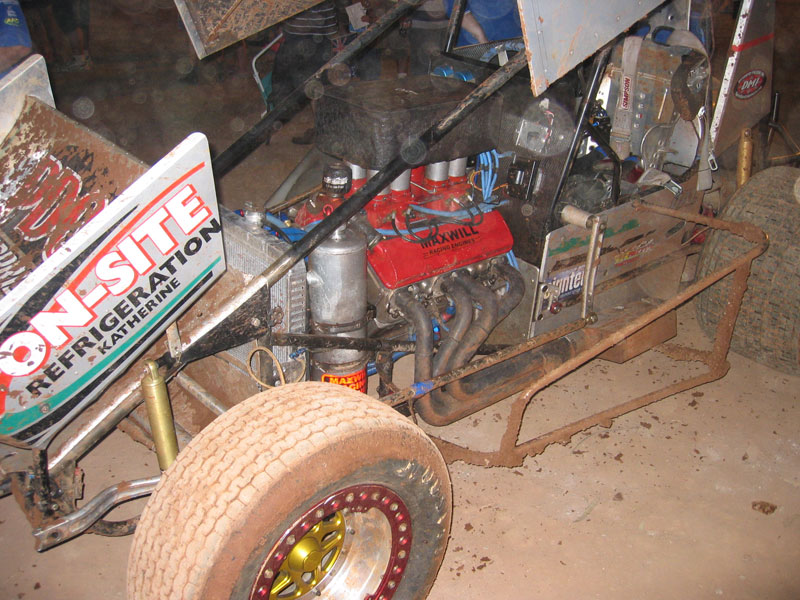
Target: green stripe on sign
15, 421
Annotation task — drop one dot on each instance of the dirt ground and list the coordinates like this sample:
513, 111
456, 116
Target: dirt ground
697, 496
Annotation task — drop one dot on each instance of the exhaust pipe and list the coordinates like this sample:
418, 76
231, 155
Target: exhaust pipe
466, 396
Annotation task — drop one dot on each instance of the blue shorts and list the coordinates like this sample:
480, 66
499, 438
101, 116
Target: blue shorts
498, 18
13, 29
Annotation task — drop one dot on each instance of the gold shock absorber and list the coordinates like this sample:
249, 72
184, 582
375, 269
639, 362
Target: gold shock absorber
159, 412
744, 163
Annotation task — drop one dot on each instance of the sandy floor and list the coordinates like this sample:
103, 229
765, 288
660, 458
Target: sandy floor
663, 504
660, 505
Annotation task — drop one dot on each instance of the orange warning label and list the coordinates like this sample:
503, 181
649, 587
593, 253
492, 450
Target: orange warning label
356, 381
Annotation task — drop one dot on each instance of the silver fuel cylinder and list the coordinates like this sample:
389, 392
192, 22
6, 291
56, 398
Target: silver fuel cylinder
337, 293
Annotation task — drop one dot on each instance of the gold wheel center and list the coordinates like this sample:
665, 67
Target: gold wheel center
310, 559
306, 555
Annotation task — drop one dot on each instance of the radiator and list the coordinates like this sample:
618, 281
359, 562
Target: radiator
250, 250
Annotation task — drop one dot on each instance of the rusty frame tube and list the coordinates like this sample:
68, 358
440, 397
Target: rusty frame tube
511, 453
314, 341
69, 526
454, 26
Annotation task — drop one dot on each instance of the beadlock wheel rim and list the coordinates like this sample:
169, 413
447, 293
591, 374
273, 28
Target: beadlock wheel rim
355, 544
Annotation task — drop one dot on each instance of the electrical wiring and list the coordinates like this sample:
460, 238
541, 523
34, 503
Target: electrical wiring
471, 213
488, 167
278, 367
466, 213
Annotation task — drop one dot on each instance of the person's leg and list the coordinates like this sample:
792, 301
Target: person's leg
65, 16
288, 63
15, 41
41, 42
425, 44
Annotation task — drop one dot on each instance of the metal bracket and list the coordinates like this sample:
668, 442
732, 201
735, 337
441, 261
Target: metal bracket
572, 215
174, 341
598, 226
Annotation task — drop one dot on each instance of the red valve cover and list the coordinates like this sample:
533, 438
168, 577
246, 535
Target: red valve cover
398, 262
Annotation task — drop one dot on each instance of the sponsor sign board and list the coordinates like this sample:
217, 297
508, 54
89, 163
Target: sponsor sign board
99, 300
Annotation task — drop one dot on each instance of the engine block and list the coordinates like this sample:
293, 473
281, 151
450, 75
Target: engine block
431, 227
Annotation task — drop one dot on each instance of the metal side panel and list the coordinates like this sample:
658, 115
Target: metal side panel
633, 239
214, 24
745, 96
560, 35
55, 177
29, 78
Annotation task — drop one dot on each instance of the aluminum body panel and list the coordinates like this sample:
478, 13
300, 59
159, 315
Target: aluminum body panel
744, 96
560, 35
29, 78
633, 238
214, 24
57, 176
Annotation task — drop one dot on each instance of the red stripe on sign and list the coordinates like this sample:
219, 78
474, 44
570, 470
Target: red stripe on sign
753, 43
110, 244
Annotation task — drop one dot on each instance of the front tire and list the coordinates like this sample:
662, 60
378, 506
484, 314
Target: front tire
306, 491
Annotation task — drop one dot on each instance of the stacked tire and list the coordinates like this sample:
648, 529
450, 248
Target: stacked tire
768, 327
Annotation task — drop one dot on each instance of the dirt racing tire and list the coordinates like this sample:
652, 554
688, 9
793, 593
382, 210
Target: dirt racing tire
768, 327
309, 490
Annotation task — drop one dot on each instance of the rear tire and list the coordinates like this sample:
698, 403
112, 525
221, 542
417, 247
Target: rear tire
768, 327
302, 489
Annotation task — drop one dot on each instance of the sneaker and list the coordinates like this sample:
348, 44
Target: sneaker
79, 62
305, 138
